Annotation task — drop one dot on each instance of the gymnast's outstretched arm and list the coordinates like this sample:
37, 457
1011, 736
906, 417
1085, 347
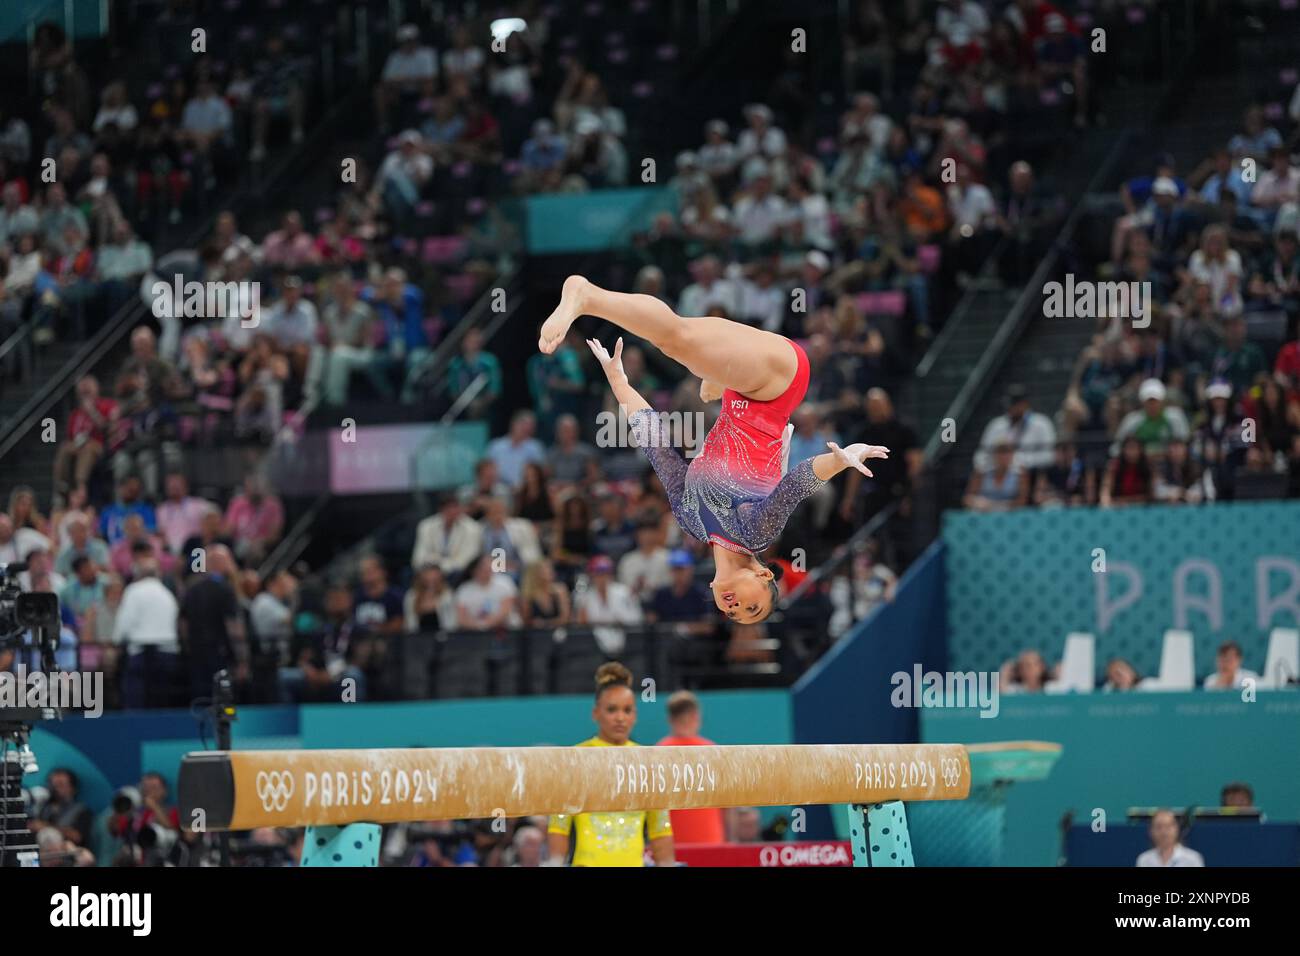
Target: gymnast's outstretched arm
667, 461
766, 519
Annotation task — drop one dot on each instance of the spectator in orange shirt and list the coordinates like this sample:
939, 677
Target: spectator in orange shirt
684, 719
922, 208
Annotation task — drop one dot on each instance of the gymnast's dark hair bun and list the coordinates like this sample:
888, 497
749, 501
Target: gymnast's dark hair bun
612, 674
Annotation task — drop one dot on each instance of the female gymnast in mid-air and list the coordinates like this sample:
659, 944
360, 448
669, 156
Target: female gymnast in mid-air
733, 494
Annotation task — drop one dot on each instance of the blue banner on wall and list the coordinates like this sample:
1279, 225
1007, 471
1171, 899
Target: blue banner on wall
589, 222
1026, 579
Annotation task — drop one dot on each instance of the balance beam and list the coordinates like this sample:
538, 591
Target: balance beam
243, 790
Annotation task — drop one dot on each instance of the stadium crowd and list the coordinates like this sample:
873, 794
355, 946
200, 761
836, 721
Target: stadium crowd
1199, 399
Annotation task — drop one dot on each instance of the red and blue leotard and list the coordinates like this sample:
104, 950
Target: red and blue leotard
732, 493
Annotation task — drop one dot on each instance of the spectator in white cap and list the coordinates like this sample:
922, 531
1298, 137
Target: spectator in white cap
409, 73
1155, 423
761, 138
718, 156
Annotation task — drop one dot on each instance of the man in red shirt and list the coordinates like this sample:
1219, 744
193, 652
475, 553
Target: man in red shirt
691, 826
1287, 366
86, 437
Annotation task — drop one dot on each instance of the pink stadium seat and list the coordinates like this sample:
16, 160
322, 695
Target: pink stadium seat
433, 329
890, 302
461, 286
928, 257
441, 250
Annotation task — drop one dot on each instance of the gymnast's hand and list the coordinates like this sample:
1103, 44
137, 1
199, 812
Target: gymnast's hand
855, 455
710, 391
612, 364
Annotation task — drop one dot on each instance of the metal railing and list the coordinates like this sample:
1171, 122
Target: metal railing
458, 664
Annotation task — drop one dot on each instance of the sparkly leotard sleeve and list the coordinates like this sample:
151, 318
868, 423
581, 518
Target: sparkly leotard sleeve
732, 493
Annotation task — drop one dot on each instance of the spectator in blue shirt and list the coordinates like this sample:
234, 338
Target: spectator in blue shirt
683, 601
515, 449
543, 157
405, 345
113, 518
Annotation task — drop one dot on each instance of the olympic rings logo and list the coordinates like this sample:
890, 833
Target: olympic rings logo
274, 788
950, 767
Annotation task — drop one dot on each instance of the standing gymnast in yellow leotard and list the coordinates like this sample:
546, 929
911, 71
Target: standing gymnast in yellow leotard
612, 839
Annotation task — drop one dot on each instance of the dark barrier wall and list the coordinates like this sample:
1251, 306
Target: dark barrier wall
845, 698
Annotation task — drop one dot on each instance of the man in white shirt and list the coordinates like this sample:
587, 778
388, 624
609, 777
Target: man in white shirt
760, 214
40, 574
607, 602
487, 600
961, 21
1228, 672
450, 539
644, 569
146, 626
708, 289
409, 71
1168, 851
717, 157
271, 614
762, 138
206, 117
1032, 434
17, 545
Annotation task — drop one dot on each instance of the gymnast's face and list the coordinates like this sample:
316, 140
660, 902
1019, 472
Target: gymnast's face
743, 595
615, 714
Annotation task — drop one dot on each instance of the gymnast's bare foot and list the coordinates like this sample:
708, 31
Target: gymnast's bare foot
556, 327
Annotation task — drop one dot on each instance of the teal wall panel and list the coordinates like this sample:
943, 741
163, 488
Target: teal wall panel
1025, 580
1129, 750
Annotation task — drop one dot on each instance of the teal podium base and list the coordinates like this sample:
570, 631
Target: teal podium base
878, 834
356, 844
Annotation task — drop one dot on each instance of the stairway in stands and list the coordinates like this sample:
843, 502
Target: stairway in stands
926, 399
31, 463
1205, 117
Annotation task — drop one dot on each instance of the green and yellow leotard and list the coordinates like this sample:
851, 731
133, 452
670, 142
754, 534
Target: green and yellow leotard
611, 839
